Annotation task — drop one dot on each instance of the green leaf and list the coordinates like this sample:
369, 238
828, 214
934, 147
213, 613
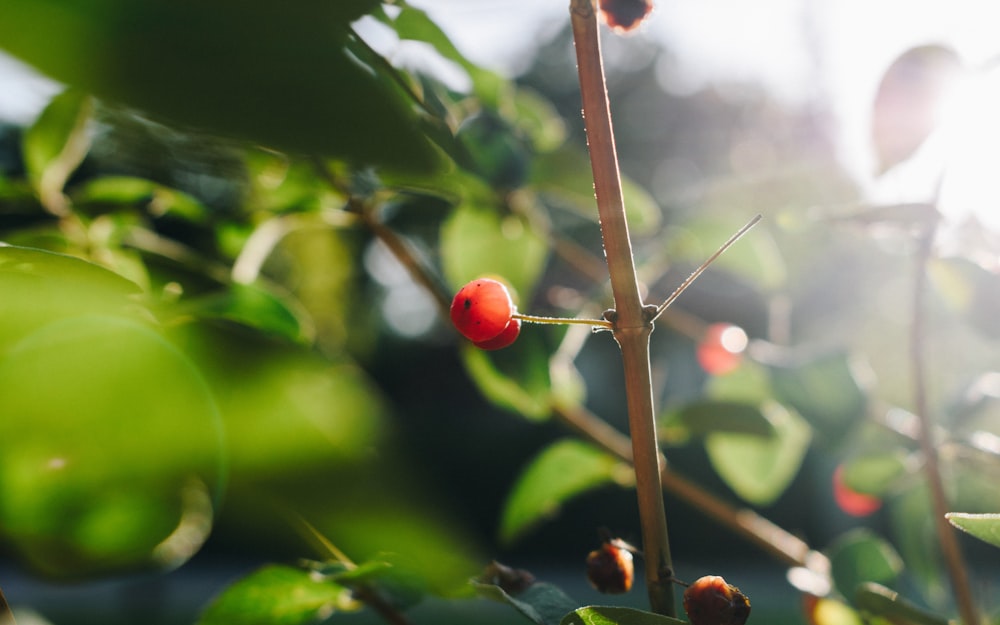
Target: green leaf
515, 378
610, 615
860, 556
565, 178
825, 392
760, 469
706, 417
985, 527
912, 521
278, 595
56, 143
478, 240
38, 287
875, 473
833, 612
415, 25
289, 76
564, 470
130, 191
257, 307
110, 448
881, 601
971, 290
282, 404
540, 603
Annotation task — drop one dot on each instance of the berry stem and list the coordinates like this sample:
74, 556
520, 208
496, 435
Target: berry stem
632, 326
601, 323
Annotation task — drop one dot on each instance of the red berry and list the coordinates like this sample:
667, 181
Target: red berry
505, 338
624, 15
610, 569
711, 601
482, 309
851, 501
720, 349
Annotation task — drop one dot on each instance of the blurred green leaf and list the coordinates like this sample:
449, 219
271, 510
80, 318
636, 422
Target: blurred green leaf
495, 151
540, 603
860, 556
706, 417
414, 24
38, 287
908, 101
985, 527
610, 615
759, 469
562, 471
875, 473
130, 191
257, 307
283, 405
278, 595
286, 75
565, 178
833, 612
971, 290
825, 392
912, 521
479, 240
539, 120
747, 384
111, 444
886, 603
57, 142
524, 390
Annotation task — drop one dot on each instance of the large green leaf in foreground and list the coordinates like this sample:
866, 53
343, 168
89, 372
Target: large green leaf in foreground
286, 74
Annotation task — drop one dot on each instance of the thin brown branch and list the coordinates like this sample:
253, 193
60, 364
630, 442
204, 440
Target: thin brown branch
632, 323
744, 522
6, 615
954, 561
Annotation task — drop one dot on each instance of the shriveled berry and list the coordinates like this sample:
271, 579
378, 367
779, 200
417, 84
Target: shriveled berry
482, 309
610, 569
505, 338
624, 15
711, 601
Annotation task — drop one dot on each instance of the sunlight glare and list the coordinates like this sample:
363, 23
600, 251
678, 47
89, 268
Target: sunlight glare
970, 139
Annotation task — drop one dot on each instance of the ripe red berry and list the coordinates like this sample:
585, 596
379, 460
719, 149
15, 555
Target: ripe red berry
711, 601
610, 569
505, 338
851, 501
720, 349
482, 309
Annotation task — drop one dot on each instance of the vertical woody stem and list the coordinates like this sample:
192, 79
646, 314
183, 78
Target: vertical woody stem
950, 549
632, 324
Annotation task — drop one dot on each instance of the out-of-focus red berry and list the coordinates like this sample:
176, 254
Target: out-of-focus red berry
610, 569
711, 601
720, 349
482, 310
851, 501
625, 15
505, 338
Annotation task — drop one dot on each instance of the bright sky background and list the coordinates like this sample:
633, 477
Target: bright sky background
828, 51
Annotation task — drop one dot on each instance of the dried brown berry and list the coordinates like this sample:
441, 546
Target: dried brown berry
711, 601
610, 568
624, 15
